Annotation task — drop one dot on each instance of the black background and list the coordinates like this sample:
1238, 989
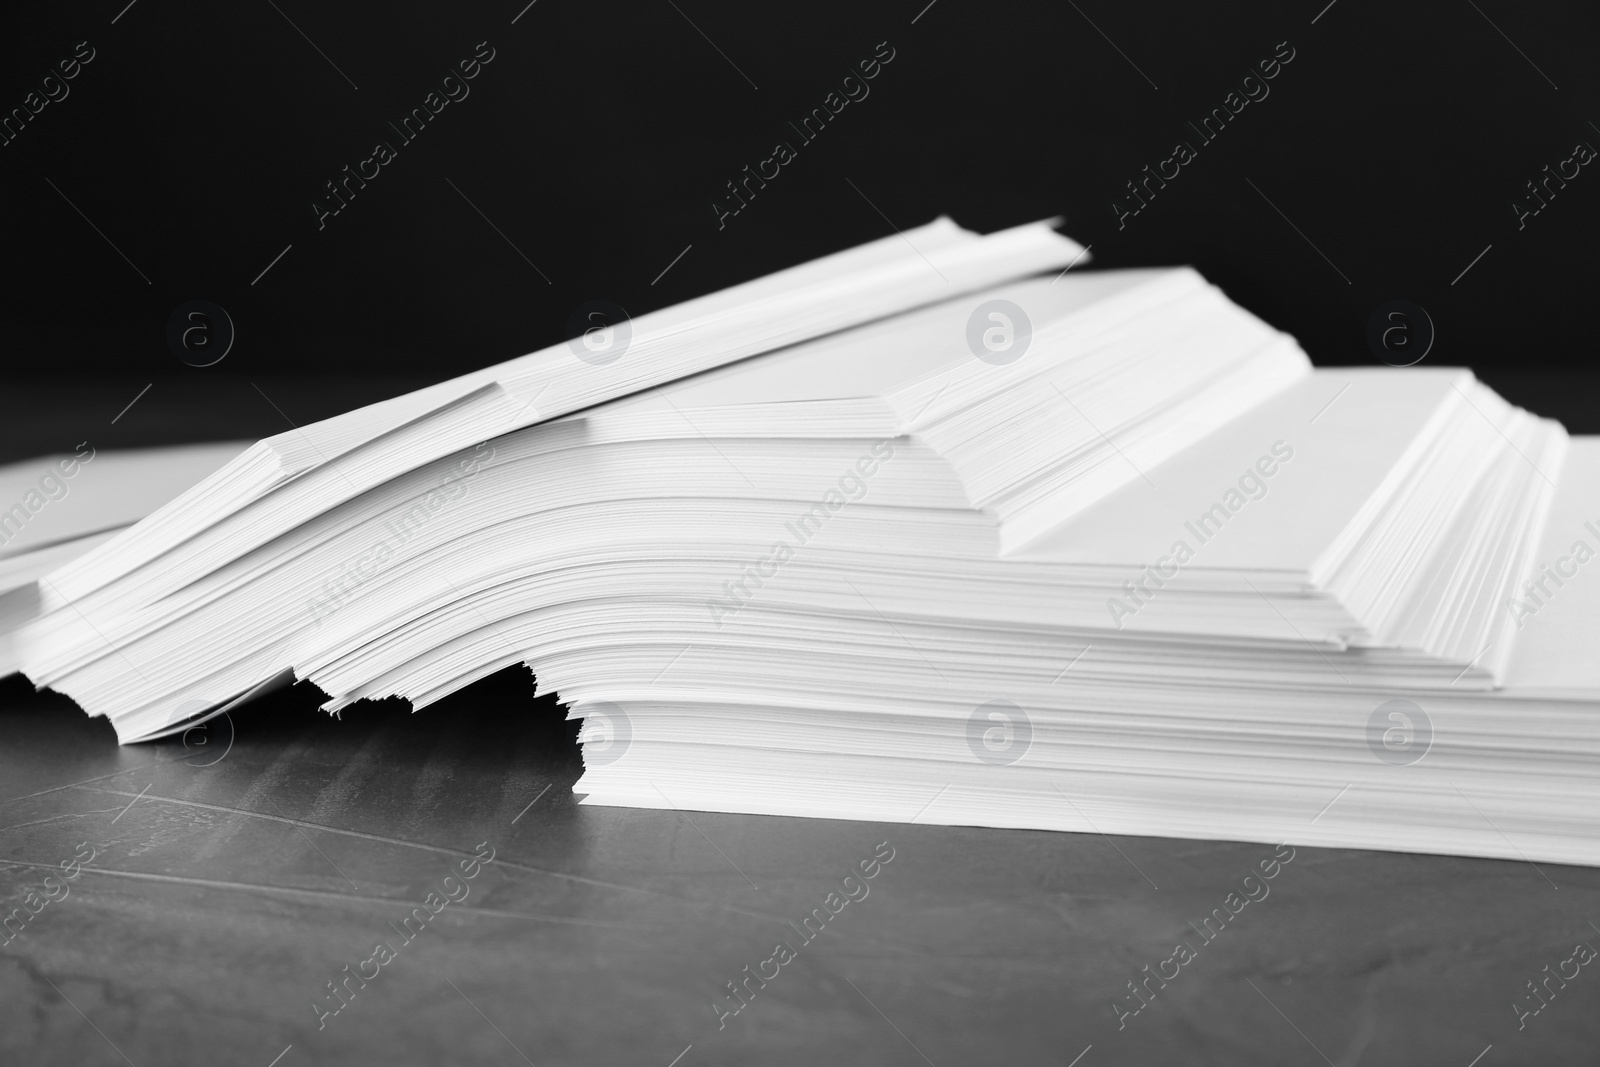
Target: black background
601, 133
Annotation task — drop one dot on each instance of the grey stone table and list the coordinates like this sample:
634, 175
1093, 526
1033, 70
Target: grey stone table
204, 895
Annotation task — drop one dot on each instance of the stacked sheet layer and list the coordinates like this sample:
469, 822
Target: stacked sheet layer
920, 532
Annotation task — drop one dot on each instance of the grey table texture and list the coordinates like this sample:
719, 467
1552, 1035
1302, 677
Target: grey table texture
220, 898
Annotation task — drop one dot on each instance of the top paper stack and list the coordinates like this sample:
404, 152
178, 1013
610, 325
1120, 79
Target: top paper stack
930, 529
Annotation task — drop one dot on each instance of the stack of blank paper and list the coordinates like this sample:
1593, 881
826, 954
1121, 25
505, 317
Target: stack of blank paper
815, 546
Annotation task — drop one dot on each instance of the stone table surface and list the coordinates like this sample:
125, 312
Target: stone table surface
221, 881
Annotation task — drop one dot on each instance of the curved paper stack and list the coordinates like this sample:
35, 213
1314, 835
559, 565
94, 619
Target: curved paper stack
813, 546
63, 506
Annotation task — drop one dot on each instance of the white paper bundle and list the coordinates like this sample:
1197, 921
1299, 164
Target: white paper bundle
922, 532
